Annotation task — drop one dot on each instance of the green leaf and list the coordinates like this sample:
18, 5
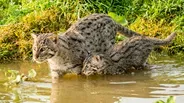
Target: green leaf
31, 73
171, 99
13, 71
160, 101
119, 19
120, 38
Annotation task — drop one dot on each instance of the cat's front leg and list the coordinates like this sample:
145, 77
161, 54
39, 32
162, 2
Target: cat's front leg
55, 77
56, 74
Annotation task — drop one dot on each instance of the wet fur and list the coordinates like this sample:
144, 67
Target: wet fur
66, 52
125, 55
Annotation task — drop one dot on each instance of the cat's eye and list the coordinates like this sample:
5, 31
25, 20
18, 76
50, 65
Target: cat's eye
94, 69
42, 49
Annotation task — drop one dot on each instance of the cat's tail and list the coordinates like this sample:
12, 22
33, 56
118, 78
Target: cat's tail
164, 41
125, 31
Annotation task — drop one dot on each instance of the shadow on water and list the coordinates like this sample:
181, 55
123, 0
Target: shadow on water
163, 79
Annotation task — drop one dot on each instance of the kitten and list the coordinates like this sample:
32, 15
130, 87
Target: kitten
132, 53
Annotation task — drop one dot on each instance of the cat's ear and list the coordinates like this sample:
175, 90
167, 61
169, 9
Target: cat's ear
54, 38
34, 35
97, 58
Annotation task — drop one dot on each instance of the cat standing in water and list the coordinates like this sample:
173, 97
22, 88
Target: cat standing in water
125, 55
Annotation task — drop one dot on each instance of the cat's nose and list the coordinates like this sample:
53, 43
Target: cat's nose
36, 56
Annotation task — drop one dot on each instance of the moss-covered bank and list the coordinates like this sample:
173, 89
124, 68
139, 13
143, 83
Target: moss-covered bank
19, 18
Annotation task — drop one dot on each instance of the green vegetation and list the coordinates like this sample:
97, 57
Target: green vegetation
15, 77
19, 18
170, 99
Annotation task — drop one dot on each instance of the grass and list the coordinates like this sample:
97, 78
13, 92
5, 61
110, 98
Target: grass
19, 18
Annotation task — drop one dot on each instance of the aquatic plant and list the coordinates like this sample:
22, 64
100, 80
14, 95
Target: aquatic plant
15, 77
170, 99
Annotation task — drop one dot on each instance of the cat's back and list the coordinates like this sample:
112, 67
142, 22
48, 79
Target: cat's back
97, 31
93, 21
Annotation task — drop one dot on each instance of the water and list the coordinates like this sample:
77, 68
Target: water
165, 78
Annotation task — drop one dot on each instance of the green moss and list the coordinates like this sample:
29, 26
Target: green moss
19, 18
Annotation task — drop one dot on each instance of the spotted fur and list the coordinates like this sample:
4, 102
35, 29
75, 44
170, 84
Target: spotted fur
92, 34
126, 55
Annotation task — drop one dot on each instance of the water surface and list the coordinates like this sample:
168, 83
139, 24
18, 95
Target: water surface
165, 78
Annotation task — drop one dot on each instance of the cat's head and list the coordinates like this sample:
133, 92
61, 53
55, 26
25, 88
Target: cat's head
94, 64
44, 46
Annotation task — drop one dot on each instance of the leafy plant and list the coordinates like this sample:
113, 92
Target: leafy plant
19, 18
15, 77
170, 99
120, 19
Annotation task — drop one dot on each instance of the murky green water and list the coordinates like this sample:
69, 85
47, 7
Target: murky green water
165, 78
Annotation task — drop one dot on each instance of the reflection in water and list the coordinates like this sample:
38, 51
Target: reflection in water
109, 89
164, 79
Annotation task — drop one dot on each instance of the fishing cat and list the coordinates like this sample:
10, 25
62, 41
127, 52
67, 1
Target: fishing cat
66, 52
132, 53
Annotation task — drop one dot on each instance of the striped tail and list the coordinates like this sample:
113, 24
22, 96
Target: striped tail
127, 32
164, 41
